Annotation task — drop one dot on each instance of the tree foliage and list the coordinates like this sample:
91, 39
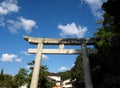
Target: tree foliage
65, 75
105, 64
6, 80
21, 78
42, 82
77, 72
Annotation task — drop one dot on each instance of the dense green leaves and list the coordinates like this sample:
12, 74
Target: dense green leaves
42, 82
21, 78
16, 81
65, 75
77, 74
5, 80
108, 45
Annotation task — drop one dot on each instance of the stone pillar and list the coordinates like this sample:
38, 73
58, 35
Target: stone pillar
61, 47
86, 66
36, 70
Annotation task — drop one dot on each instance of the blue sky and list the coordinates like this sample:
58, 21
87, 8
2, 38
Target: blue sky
45, 19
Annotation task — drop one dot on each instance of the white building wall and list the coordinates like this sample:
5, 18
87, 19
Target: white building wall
65, 84
24, 86
56, 78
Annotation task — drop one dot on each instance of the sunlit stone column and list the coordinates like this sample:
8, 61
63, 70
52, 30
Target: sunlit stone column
36, 70
86, 66
61, 47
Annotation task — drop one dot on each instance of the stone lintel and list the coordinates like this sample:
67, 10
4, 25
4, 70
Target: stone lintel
58, 51
57, 41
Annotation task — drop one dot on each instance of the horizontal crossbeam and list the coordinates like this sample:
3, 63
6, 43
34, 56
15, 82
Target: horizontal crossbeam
59, 51
57, 41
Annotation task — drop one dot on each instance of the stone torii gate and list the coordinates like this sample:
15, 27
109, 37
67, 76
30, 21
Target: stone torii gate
61, 42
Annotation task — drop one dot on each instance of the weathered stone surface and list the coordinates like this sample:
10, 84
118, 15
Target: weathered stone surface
58, 51
56, 41
61, 42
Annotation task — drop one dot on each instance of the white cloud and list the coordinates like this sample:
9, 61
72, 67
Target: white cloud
73, 65
2, 19
45, 57
63, 68
21, 23
72, 30
3, 11
8, 57
18, 60
8, 6
95, 6
28, 67
2, 24
27, 24
11, 6
13, 26
25, 53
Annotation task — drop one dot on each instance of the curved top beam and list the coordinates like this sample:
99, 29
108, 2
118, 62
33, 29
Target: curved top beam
57, 41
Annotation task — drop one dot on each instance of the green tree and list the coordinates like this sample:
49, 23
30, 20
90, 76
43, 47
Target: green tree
77, 73
108, 42
2, 71
6, 80
30, 64
20, 78
43, 82
65, 75
1, 75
